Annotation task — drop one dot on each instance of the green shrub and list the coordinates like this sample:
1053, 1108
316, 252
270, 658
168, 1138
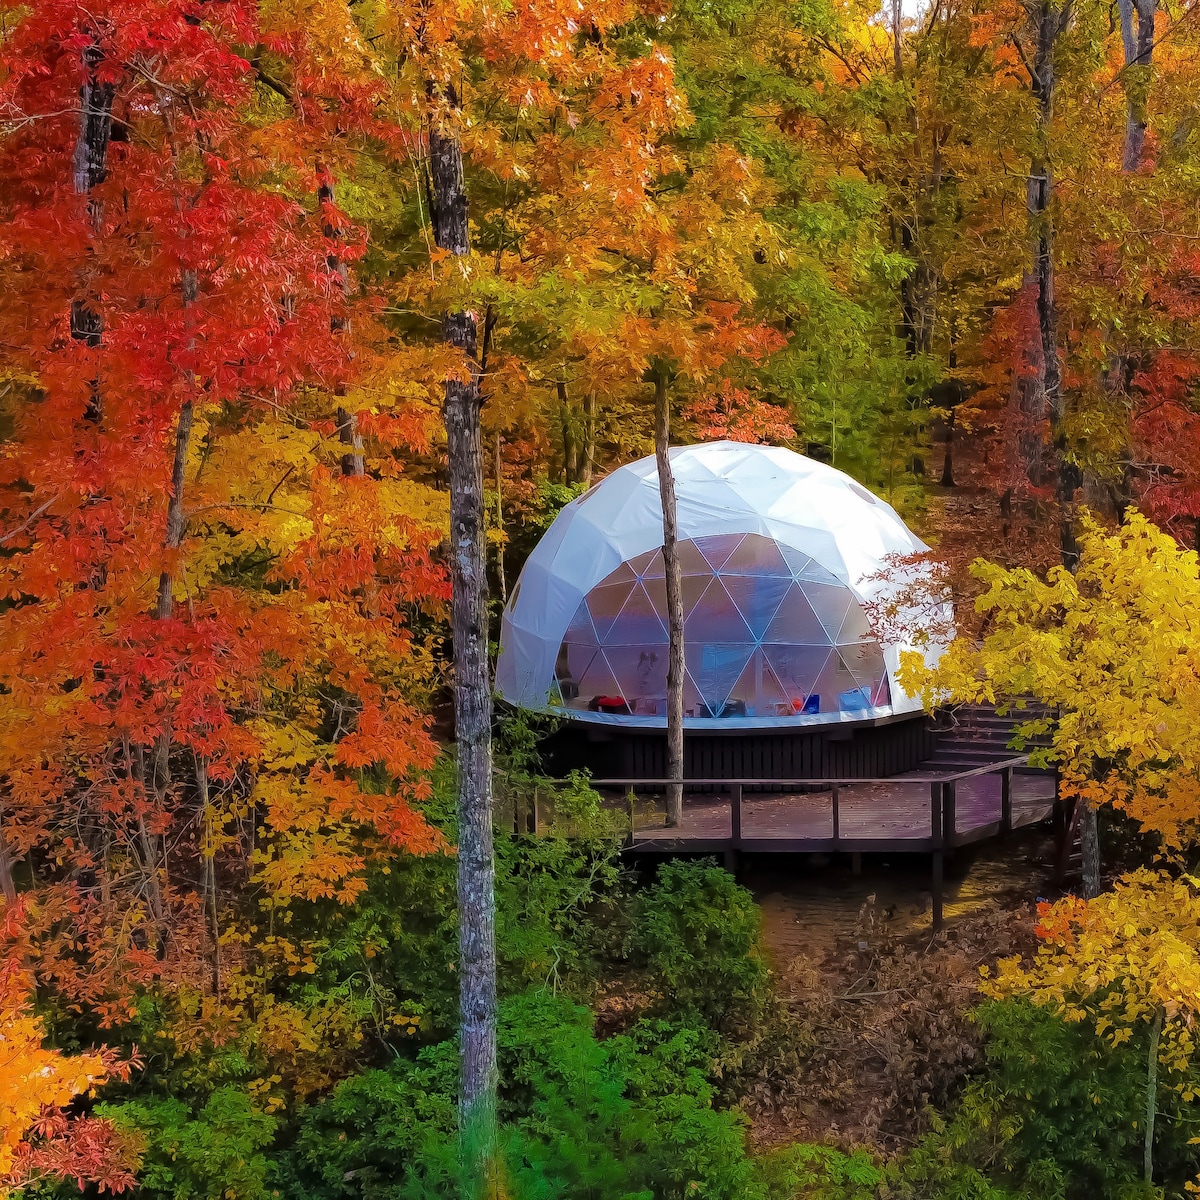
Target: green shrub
581, 1119
1056, 1115
214, 1152
697, 932
809, 1172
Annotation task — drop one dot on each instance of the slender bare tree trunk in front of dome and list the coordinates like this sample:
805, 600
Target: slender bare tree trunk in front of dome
670, 552
472, 686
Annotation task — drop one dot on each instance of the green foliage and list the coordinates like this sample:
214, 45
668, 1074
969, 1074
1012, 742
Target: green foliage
698, 932
212, 1152
630, 1116
552, 498
362, 1139
808, 1172
560, 896
393, 954
1056, 1116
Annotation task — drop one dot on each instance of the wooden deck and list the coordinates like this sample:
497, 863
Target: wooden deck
913, 812
878, 816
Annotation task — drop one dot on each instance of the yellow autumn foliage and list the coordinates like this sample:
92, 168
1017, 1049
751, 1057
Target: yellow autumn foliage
32, 1079
1114, 651
1117, 962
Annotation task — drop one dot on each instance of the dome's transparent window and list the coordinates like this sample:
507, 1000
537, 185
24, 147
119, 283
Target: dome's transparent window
768, 632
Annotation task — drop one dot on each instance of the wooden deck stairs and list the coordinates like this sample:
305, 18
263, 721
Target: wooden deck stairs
973, 735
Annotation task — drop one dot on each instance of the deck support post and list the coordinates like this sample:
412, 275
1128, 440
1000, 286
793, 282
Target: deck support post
837, 818
735, 816
856, 863
937, 832
533, 814
949, 815
1006, 779
937, 889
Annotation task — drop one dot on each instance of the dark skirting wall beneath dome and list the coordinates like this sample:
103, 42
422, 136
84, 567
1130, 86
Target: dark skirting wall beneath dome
849, 750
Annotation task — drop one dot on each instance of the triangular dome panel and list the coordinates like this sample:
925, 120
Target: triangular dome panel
715, 668
795, 622
714, 616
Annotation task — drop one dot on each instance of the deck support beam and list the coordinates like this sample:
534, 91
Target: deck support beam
1006, 779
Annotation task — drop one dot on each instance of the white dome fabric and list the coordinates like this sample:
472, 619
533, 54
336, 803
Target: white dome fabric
779, 554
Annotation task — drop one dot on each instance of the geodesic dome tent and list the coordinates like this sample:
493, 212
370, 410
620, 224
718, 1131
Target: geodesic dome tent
779, 555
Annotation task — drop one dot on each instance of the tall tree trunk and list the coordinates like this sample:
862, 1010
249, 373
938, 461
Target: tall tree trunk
175, 514
1151, 1097
954, 395
8, 887
160, 781
499, 462
353, 463
472, 690
570, 439
589, 436
208, 858
1049, 23
674, 581
1089, 846
89, 170
1139, 60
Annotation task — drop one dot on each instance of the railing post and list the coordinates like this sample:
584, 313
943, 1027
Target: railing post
949, 814
735, 828
533, 815
1006, 778
837, 816
632, 816
937, 832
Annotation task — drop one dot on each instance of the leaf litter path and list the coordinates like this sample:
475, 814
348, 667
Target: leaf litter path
880, 1000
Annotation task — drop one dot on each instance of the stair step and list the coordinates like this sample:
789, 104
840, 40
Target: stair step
955, 754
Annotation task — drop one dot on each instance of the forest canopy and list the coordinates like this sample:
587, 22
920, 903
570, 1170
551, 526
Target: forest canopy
313, 314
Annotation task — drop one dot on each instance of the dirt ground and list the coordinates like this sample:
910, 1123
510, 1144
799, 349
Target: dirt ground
879, 1002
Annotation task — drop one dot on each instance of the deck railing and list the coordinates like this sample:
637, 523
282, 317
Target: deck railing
706, 829
722, 827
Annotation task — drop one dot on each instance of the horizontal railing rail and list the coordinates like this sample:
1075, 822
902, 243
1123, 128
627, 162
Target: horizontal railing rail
826, 781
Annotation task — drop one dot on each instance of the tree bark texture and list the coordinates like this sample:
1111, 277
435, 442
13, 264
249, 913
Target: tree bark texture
176, 520
1089, 845
160, 765
89, 169
353, 462
570, 433
589, 437
498, 456
674, 582
1139, 61
472, 693
1049, 23
1151, 1097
